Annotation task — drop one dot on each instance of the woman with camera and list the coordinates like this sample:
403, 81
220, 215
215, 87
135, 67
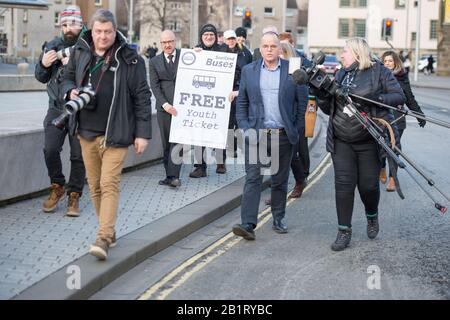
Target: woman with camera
393, 62
355, 154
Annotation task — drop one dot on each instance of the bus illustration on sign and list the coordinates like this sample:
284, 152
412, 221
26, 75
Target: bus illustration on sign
204, 81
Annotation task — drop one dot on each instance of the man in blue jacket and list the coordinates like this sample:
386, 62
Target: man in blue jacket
269, 103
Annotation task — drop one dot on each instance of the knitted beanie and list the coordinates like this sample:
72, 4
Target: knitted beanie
71, 16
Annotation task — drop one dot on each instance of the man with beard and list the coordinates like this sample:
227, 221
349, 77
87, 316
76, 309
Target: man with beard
49, 70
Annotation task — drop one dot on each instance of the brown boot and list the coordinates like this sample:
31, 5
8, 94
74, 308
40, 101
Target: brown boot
298, 190
221, 169
391, 185
73, 209
383, 176
56, 193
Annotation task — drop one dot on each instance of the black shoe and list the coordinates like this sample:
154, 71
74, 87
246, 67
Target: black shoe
175, 182
279, 226
198, 173
372, 227
244, 230
165, 182
342, 240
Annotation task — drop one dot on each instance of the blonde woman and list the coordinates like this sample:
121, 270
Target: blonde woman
354, 152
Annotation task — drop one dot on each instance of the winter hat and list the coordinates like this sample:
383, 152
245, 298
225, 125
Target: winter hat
71, 16
241, 32
208, 28
229, 34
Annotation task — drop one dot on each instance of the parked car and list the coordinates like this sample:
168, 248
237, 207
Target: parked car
423, 63
331, 64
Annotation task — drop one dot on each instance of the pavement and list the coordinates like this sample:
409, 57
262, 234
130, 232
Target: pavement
430, 82
40, 251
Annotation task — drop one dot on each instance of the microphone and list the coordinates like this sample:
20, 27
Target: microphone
300, 77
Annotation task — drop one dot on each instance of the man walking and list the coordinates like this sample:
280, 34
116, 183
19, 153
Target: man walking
49, 70
270, 103
163, 72
118, 116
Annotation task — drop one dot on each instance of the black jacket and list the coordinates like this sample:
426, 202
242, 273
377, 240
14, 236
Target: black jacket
130, 112
375, 81
403, 80
53, 75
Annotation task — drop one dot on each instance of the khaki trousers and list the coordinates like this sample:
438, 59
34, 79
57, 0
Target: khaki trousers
103, 170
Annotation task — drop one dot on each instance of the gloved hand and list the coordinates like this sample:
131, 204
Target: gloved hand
341, 96
422, 122
318, 93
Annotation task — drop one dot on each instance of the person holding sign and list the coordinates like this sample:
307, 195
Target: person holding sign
163, 72
208, 42
270, 103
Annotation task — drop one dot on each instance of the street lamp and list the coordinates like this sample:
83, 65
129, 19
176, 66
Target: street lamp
416, 67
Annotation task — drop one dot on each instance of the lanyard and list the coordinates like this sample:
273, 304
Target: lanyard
95, 68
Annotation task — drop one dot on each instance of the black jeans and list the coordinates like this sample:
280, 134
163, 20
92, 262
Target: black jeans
54, 141
356, 164
172, 169
300, 163
220, 154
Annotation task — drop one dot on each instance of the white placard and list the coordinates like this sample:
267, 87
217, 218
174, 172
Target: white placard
204, 82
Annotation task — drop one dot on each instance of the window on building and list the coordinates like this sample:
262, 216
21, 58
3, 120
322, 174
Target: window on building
344, 3
57, 1
2, 21
175, 5
24, 40
344, 28
68, 1
361, 3
56, 18
269, 12
400, 4
433, 29
98, 3
25, 15
175, 26
359, 28
413, 36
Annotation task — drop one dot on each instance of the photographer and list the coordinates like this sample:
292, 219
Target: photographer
118, 116
355, 153
49, 70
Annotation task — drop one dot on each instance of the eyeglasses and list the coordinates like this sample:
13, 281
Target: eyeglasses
167, 42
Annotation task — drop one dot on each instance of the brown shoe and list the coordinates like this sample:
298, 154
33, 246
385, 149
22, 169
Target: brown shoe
391, 185
100, 249
298, 190
198, 173
383, 176
56, 193
72, 208
221, 169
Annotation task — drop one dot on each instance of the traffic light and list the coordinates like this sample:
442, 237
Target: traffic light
388, 24
247, 21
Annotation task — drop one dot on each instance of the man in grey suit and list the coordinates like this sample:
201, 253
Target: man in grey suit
163, 72
270, 103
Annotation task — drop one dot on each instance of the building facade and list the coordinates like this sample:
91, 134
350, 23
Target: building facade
224, 14
444, 40
23, 31
329, 26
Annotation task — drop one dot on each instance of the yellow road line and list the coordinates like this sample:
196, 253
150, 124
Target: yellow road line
206, 256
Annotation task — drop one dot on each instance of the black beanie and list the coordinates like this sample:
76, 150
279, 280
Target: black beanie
207, 28
241, 32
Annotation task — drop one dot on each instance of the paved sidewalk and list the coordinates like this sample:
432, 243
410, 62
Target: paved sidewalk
431, 81
36, 244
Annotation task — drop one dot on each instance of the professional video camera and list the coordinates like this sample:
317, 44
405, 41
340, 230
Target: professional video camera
86, 96
315, 76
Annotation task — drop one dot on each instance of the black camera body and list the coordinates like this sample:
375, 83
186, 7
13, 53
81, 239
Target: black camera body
315, 76
85, 97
